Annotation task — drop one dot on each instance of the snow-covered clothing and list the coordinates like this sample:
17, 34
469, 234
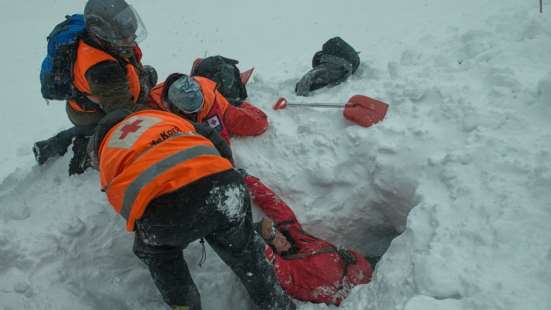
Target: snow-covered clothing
173, 182
314, 270
218, 209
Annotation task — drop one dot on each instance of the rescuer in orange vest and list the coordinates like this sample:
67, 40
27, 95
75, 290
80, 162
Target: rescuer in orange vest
107, 74
174, 183
214, 110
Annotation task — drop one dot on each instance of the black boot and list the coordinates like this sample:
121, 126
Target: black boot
80, 161
55, 146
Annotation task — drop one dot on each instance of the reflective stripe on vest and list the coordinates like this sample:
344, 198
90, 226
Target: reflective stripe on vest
145, 156
158, 169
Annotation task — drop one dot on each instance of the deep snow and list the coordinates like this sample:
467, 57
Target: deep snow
465, 147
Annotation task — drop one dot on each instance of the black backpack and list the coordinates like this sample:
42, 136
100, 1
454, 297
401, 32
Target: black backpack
225, 73
56, 73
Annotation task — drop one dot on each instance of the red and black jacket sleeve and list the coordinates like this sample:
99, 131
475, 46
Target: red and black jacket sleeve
271, 204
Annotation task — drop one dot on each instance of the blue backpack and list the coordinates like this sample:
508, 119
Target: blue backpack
56, 74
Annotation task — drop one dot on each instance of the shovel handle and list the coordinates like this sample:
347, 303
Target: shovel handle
315, 105
282, 103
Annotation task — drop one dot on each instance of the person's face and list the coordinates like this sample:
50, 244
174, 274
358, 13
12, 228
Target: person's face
280, 243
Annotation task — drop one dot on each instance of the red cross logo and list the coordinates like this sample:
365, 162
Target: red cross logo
129, 128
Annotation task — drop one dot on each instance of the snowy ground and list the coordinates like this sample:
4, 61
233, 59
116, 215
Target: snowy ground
466, 147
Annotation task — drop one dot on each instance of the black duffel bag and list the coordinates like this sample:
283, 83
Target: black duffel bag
336, 61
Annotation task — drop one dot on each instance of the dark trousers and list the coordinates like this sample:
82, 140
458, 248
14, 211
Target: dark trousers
216, 208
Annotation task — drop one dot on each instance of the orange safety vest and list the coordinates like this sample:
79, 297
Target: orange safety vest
155, 97
151, 153
214, 104
89, 56
213, 99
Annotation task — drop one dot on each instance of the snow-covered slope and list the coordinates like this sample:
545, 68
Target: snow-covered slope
464, 150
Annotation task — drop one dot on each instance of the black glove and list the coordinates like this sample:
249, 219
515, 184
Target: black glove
80, 161
242, 172
150, 75
148, 79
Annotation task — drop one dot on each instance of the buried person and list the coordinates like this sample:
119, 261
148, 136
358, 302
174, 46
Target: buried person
308, 268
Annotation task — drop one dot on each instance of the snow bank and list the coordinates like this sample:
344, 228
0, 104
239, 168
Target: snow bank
464, 151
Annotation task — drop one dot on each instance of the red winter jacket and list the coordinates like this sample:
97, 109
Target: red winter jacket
305, 275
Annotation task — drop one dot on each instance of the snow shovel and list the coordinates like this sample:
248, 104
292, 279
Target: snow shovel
359, 109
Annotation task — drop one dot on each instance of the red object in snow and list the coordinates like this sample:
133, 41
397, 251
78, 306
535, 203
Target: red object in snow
315, 278
280, 104
196, 62
245, 120
246, 75
359, 109
364, 111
